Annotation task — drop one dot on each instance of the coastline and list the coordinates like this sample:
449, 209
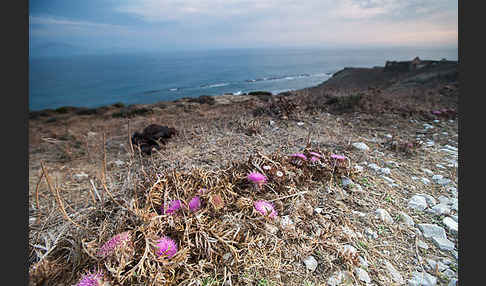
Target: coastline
220, 139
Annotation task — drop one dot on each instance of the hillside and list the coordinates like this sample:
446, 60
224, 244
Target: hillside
385, 215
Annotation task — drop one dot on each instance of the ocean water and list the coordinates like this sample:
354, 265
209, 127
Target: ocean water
96, 80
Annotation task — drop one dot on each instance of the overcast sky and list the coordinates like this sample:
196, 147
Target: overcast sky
150, 25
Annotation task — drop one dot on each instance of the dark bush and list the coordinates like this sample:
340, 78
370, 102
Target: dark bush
118, 105
203, 99
131, 112
260, 93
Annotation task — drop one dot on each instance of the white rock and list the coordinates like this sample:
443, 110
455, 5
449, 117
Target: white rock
80, 176
272, 122
440, 209
449, 273
451, 225
428, 172
361, 146
300, 123
340, 278
453, 282
429, 199
429, 143
384, 216
227, 256
358, 168
287, 223
443, 200
395, 275
348, 248
432, 264
370, 233
406, 219
422, 244
346, 230
385, 171
119, 163
362, 275
432, 230
388, 136
389, 180
346, 182
443, 243
318, 210
428, 126
417, 203
425, 181
310, 263
374, 167
363, 262
455, 218
440, 166
422, 279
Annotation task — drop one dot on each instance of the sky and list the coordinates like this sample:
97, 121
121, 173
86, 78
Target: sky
110, 26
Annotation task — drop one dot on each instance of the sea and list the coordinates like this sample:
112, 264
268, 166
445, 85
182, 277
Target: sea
97, 80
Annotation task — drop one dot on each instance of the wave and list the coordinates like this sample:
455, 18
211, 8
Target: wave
286, 77
214, 85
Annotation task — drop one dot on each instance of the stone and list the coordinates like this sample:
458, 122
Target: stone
346, 182
340, 278
389, 180
432, 230
417, 203
455, 218
422, 244
370, 233
358, 168
449, 273
422, 279
395, 275
451, 224
443, 243
356, 188
310, 263
453, 282
119, 163
432, 264
425, 181
361, 146
440, 209
318, 210
227, 256
428, 126
348, 248
300, 123
443, 200
428, 172
363, 262
384, 216
406, 219
80, 176
287, 223
362, 275
374, 167
429, 199
385, 171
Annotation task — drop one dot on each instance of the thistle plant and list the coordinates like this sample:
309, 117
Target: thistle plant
265, 208
166, 247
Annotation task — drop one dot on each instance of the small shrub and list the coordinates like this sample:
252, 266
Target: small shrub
118, 105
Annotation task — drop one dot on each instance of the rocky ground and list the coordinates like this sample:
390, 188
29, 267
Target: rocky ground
398, 212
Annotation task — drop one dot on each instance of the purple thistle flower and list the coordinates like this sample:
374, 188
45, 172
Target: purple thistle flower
436, 112
166, 247
265, 208
313, 159
299, 155
111, 245
195, 203
92, 279
315, 154
174, 206
202, 191
338, 157
257, 178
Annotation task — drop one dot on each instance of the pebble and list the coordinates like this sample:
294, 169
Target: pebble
443, 243
119, 163
417, 203
363, 262
453, 282
428, 126
358, 168
422, 244
362, 275
384, 216
429, 199
449, 273
374, 167
348, 248
227, 256
405, 218
346, 182
310, 263
432, 230
389, 180
80, 176
440, 209
422, 279
428, 172
425, 181
385, 171
300, 123
340, 278
318, 210
361, 146
370, 233
443, 200
432, 264
395, 275
287, 223
451, 224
